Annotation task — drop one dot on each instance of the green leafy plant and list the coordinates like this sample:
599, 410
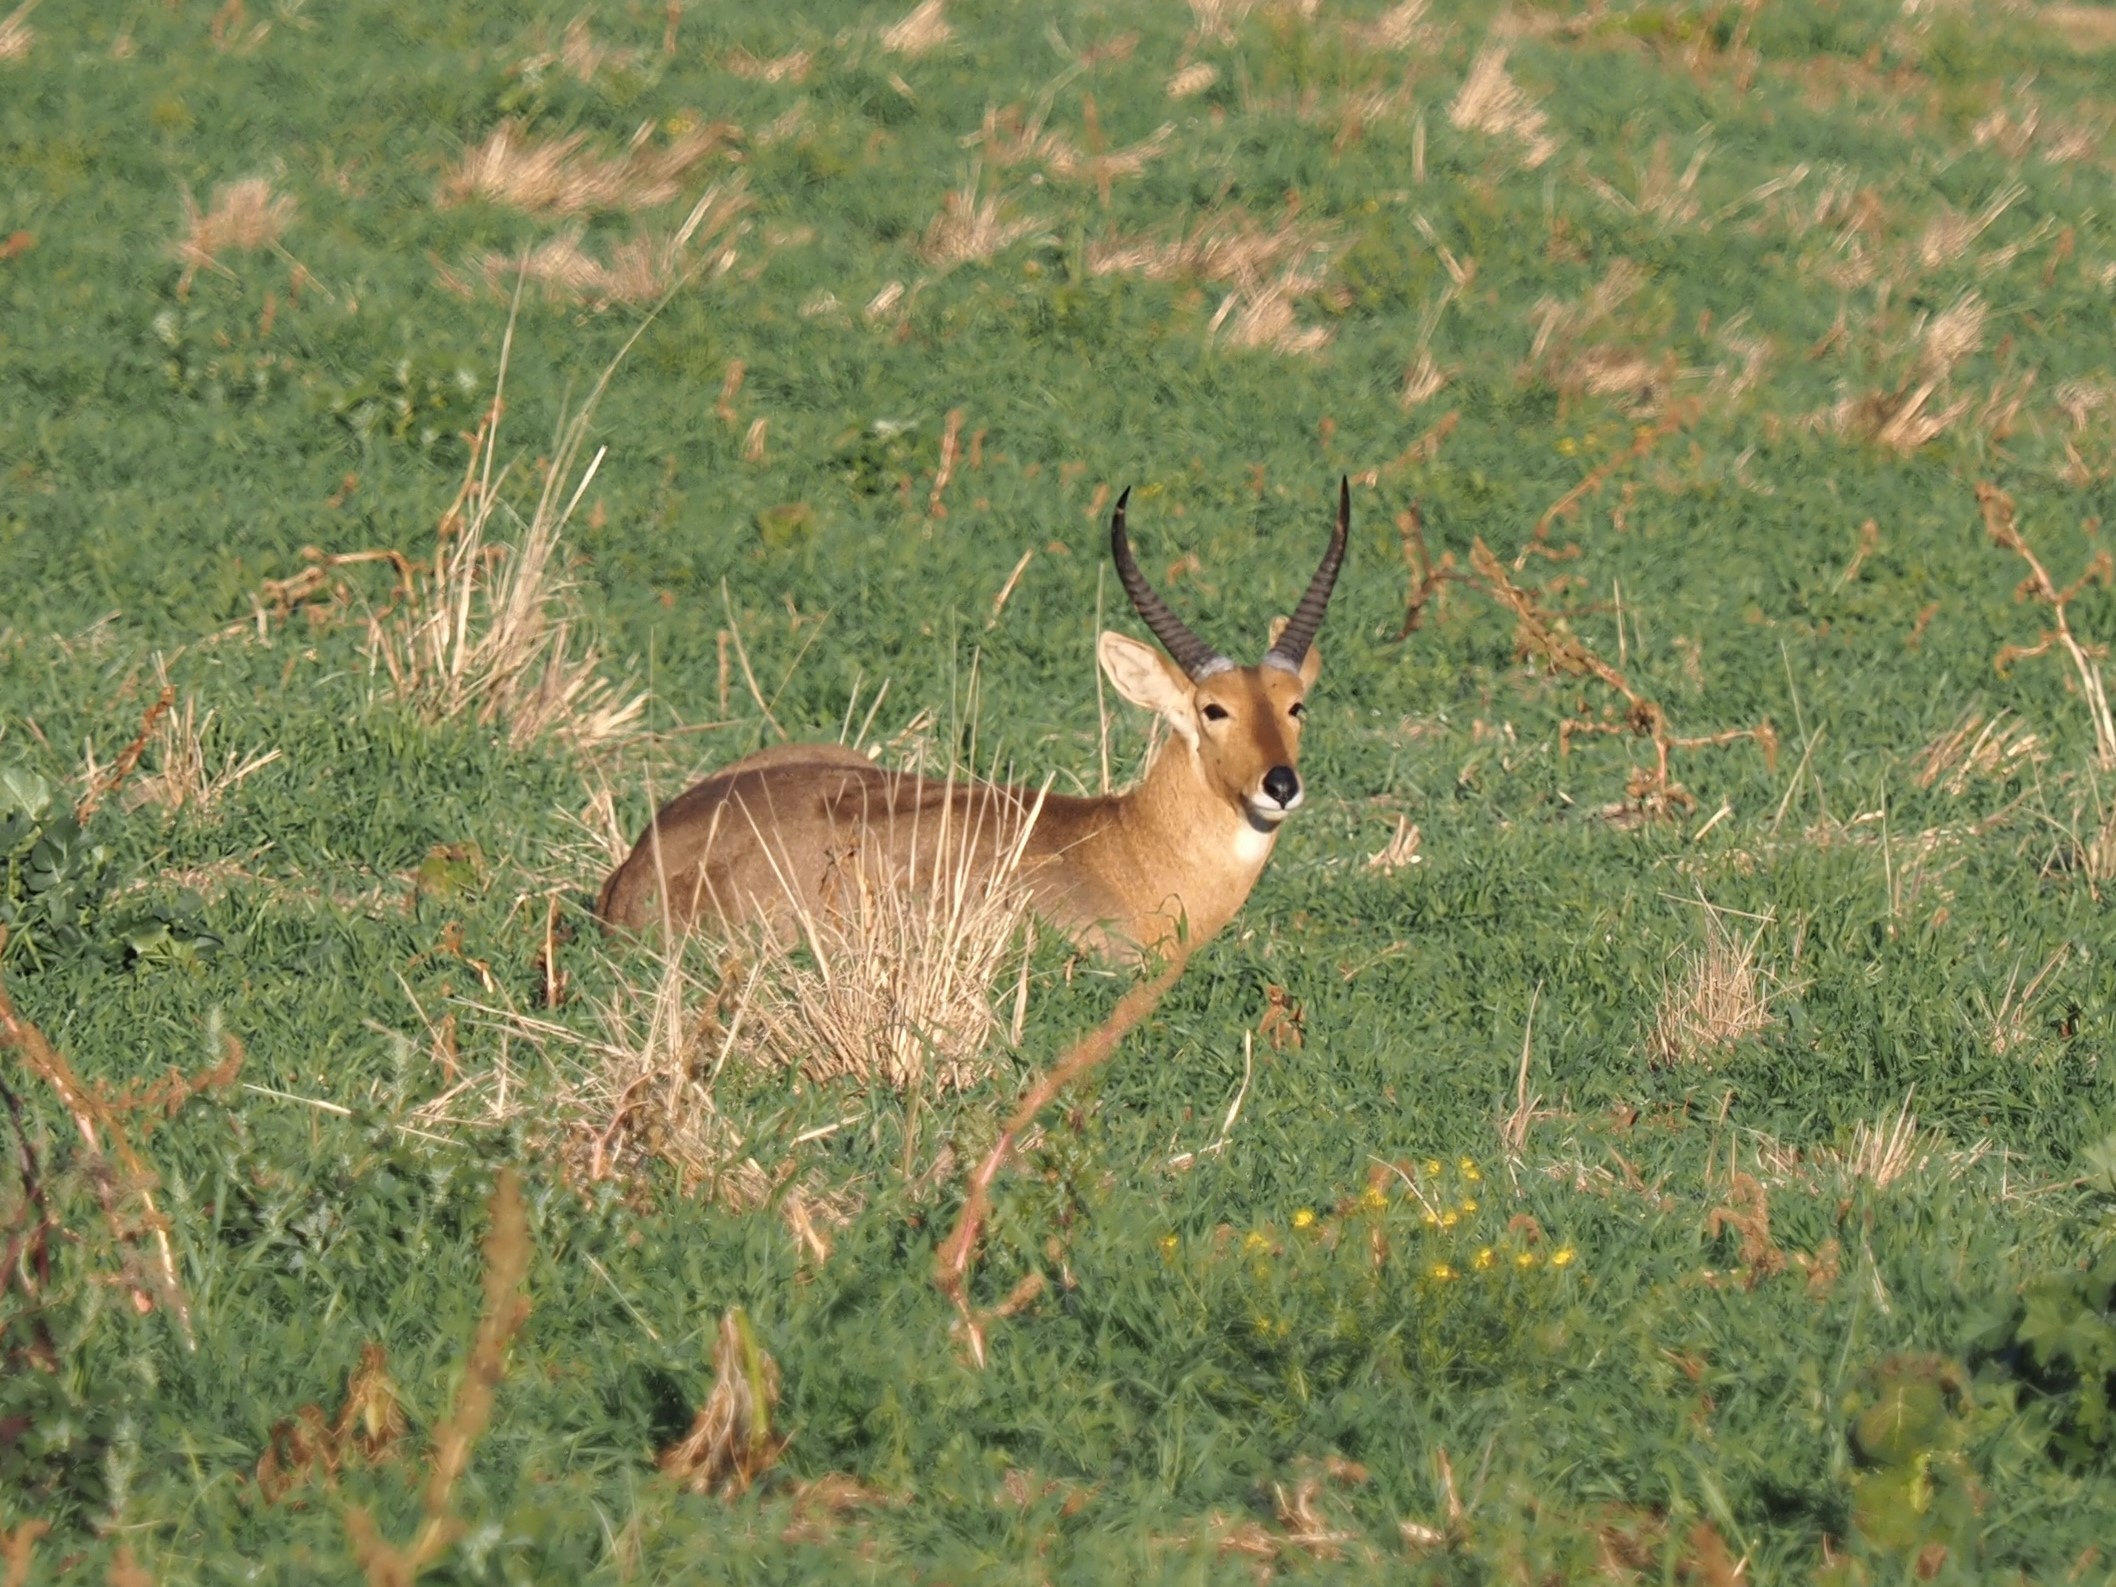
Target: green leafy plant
57, 870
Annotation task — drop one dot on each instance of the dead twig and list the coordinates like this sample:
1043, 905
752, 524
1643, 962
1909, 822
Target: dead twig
506, 1265
952, 1263
1652, 789
2038, 586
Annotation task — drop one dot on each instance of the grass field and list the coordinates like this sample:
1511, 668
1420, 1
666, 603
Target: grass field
1566, 1168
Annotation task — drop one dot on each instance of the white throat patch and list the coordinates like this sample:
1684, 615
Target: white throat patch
1252, 844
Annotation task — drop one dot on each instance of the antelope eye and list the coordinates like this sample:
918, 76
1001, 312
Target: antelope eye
1298, 710
1215, 713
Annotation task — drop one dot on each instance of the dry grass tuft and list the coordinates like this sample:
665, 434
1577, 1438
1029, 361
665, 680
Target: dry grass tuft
640, 1089
2087, 28
1718, 997
482, 631
560, 176
1267, 269
1401, 27
1187, 82
1950, 234
1399, 851
792, 67
183, 776
1661, 195
244, 217
1906, 419
731, 1443
17, 37
895, 984
921, 31
1492, 103
1214, 21
1573, 353
970, 229
640, 271
2013, 1025
1890, 1149
1009, 137
1979, 750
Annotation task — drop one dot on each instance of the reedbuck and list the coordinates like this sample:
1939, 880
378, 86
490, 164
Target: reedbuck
784, 832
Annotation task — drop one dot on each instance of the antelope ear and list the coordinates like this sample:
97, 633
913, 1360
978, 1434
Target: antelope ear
1147, 678
1310, 664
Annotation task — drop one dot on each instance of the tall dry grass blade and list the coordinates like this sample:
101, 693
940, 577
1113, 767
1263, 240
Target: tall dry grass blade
896, 982
485, 631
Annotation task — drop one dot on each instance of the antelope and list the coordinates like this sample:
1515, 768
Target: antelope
1165, 863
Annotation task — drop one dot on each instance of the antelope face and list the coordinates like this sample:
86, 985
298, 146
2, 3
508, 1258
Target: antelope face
1242, 723
1247, 736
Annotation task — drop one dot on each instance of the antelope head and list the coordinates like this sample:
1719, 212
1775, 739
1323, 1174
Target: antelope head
1241, 724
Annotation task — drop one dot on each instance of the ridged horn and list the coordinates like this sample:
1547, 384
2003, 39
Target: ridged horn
1197, 659
1292, 647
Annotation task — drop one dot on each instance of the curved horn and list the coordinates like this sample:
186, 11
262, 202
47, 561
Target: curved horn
1299, 634
1197, 659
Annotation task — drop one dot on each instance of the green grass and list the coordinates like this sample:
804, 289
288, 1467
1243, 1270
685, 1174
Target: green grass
1215, 1333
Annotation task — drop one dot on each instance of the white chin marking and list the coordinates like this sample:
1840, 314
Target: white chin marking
1252, 844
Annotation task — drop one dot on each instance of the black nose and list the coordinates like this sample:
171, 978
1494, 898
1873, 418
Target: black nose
1282, 784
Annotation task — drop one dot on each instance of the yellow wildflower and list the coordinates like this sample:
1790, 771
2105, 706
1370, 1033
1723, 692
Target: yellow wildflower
1441, 1271
1450, 1218
1468, 1167
1432, 1168
1469, 1204
1567, 446
1168, 1248
1484, 1259
1525, 1259
1431, 1217
1562, 1257
1252, 1241
1304, 1218
1373, 1198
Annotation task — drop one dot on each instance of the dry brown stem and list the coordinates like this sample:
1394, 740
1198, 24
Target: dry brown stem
2038, 586
1748, 1214
1643, 440
952, 1262
506, 1266
98, 1115
103, 786
1651, 789
18, 1547
1427, 576
731, 1443
367, 1427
